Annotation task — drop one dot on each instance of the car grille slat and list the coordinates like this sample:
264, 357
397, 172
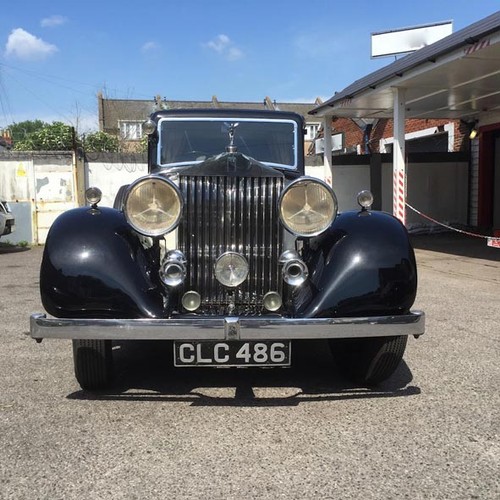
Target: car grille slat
224, 214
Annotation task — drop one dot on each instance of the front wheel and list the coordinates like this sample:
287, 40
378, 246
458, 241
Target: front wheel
369, 360
93, 363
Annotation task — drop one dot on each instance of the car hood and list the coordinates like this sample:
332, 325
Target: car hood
230, 164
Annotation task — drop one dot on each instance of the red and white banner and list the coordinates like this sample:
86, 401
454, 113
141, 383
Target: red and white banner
494, 242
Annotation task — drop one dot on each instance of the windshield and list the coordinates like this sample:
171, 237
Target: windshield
187, 141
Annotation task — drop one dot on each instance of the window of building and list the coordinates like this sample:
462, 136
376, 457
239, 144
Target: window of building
131, 131
311, 131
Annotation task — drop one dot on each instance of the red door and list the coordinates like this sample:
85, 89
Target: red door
489, 178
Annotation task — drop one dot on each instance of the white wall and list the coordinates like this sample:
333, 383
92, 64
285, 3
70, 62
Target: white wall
17, 179
43, 183
109, 177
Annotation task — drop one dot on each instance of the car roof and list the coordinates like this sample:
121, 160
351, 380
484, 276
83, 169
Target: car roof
229, 113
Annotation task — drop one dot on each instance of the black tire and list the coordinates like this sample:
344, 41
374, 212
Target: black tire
369, 360
93, 363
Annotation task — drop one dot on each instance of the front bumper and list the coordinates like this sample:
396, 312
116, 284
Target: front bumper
227, 328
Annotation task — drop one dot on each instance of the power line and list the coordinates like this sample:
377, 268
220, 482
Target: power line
4, 101
57, 112
53, 79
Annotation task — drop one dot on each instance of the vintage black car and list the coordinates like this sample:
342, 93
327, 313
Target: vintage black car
229, 250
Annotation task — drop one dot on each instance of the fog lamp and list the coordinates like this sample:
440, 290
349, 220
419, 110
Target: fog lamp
191, 300
149, 127
272, 301
365, 199
93, 195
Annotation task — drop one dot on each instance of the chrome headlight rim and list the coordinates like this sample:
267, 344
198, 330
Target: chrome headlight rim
152, 178
294, 184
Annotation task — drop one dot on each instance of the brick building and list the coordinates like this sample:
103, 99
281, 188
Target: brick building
356, 136
124, 117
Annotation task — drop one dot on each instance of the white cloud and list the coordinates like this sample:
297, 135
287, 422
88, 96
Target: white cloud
219, 43
224, 46
24, 45
150, 47
50, 22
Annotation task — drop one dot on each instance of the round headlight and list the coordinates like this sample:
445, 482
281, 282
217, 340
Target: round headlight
231, 269
308, 207
153, 206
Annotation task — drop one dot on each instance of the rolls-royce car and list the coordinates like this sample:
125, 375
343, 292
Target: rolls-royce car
227, 249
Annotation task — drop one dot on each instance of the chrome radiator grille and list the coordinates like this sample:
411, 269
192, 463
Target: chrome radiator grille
238, 214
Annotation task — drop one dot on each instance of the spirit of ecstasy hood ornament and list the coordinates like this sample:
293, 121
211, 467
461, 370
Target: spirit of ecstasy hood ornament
230, 129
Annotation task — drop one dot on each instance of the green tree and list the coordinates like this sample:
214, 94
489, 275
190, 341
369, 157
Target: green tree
143, 145
100, 142
22, 130
56, 136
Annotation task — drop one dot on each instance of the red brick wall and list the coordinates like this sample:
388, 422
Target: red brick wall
353, 135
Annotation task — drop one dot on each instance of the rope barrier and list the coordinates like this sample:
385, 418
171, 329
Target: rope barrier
489, 238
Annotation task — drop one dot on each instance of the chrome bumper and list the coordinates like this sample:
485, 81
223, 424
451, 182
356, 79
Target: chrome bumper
229, 328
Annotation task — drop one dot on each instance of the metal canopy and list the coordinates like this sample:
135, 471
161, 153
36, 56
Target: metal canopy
456, 77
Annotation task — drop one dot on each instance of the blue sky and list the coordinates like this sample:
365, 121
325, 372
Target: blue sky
56, 55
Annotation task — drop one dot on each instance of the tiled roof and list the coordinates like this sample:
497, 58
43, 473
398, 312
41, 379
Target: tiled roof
111, 111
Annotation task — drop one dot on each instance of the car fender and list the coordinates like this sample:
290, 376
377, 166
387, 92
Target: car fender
95, 266
362, 265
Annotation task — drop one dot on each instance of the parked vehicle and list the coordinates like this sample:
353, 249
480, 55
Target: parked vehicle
7, 220
259, 257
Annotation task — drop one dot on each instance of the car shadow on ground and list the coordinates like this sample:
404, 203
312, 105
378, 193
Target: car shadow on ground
456, 244
9, 248
145, 372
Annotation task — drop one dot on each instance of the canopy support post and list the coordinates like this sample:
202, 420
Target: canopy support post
328, 145
399, 157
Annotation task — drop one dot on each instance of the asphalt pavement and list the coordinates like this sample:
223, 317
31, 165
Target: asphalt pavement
431, 431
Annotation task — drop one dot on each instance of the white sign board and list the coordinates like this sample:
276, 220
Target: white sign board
337, 143
401, 41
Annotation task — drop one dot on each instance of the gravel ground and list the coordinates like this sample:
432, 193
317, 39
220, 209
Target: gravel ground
432, 431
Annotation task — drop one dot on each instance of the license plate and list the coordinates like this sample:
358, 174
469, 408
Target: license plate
234, 353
